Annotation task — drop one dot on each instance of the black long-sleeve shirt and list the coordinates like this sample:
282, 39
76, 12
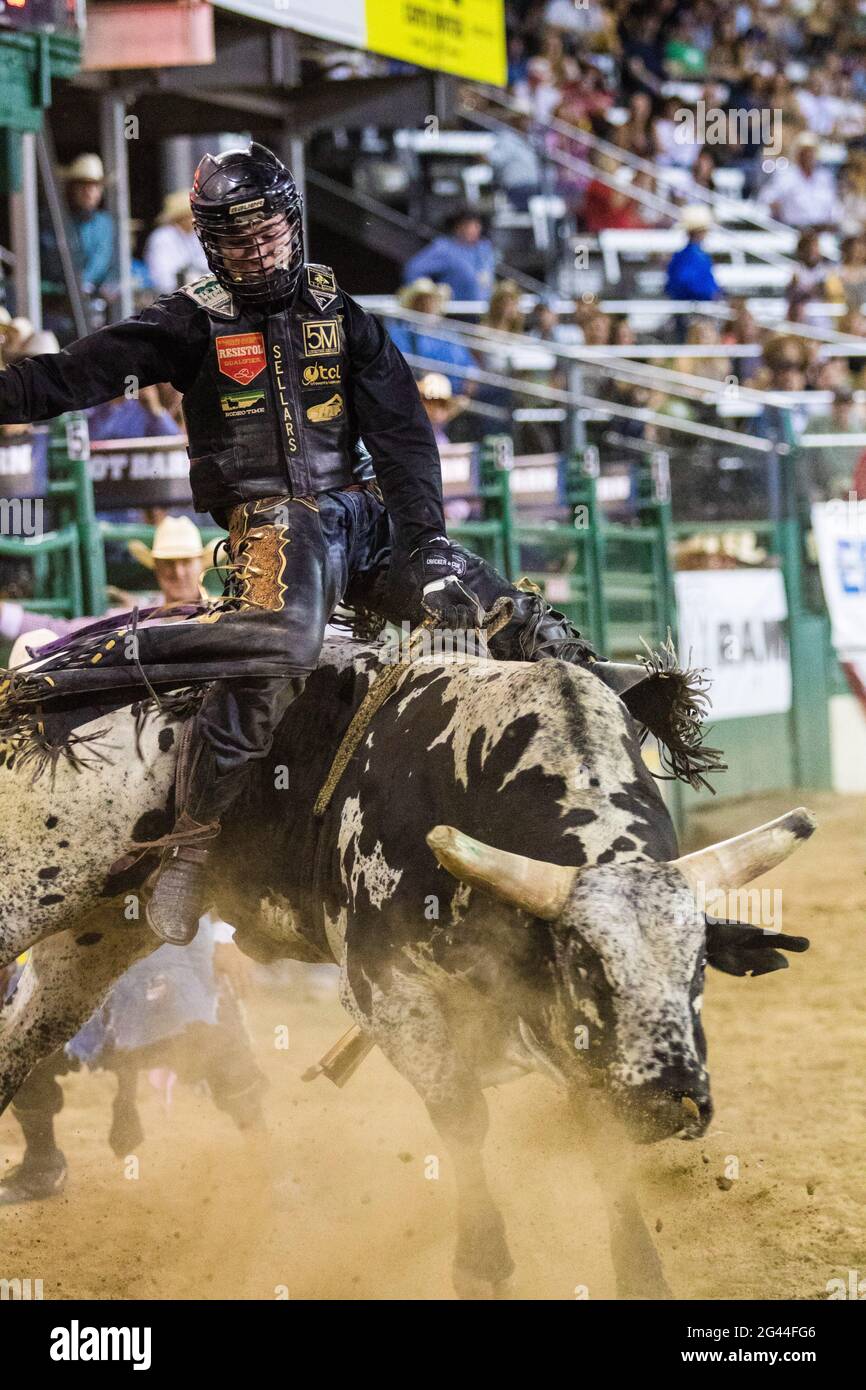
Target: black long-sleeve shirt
169, 341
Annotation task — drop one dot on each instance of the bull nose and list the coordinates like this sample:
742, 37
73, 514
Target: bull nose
696, 1111
655, 1113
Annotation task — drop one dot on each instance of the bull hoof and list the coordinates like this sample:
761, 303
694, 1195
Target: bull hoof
476, 1288
34, 1181
126, 1137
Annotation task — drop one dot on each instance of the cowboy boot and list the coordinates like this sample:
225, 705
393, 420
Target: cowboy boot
177, 900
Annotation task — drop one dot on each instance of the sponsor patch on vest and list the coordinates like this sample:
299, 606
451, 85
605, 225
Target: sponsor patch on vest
322, 374
321, 284
241, 356
321, 337
235, 403
209, 294
326, 410
285, 405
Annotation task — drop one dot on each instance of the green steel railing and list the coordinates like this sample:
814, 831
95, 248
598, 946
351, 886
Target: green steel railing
615, 580
67, 562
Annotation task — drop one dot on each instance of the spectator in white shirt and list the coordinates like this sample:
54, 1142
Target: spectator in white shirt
820, 108
802, 194
173, 253
515, 163
539, 92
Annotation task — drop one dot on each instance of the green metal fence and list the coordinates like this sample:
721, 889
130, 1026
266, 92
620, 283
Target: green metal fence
615, 580
68, 565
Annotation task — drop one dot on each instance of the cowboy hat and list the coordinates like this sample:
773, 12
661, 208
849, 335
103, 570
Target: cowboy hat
87, 168
43, 340
435, 386
696, 218
409, 293
175, 538
174, 206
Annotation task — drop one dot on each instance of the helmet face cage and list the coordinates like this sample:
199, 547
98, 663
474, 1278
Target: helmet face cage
256, 255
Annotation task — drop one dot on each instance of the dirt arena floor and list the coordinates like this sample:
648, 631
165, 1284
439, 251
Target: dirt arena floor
337, 1206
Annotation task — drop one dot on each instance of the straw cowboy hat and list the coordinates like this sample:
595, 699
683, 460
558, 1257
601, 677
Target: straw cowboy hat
696, 218
409, 293
174, 206
39, 637
87, 168
175, 538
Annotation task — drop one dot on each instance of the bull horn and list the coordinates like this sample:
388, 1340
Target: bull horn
734, 862
540, 888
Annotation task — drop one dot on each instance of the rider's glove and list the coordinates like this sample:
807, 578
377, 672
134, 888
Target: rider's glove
438, 568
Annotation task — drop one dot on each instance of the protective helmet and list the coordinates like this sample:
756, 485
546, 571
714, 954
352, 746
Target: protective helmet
247, 212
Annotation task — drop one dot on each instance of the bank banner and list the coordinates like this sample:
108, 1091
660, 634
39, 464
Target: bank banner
733, 623
464, 37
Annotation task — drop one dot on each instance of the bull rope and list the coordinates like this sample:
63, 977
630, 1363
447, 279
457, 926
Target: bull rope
387, 681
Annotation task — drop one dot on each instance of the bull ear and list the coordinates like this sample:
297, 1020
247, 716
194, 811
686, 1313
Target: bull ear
738, 948
538, 887
732, 863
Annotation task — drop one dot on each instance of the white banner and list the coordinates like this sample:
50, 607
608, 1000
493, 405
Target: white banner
342, 21
733, 623
840, 536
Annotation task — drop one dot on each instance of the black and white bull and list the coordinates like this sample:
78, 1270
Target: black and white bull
496, 876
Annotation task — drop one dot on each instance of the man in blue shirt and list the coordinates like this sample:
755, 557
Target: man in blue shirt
426, 297
690, 271
91, 241
462, 258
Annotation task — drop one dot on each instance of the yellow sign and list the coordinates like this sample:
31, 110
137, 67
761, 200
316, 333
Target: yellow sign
465, 37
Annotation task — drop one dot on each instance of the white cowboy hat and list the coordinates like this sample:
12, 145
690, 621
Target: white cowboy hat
174, 206
43, 340
435, 387
696, 218
175, 538
87, 168
39, 637
21, 327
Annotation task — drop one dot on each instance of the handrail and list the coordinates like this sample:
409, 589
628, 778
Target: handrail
476, 335
614, 408
712, 308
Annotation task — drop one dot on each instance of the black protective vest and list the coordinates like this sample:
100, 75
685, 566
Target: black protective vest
269, 412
